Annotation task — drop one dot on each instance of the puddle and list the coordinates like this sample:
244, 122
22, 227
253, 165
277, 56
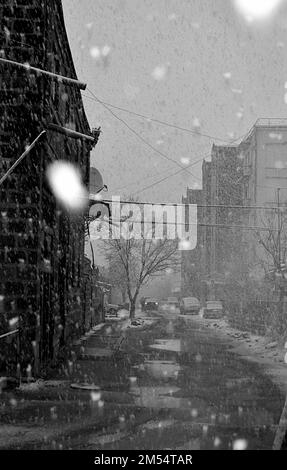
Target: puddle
194, 444
158, 397
158, 424
96, 352
107, 439
161, 369
237, 381
175, 345
85, 386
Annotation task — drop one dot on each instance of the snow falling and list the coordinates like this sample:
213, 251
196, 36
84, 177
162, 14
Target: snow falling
257, 9
173, 337
65, 181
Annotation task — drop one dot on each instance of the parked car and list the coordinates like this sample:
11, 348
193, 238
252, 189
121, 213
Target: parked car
150, 304
189, 305
112, 309
169, 306
173, 306
213, 309
142, 302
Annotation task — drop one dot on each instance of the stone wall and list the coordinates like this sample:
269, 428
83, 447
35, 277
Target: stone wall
41, 246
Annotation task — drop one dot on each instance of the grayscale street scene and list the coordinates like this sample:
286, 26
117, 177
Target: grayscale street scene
143, 225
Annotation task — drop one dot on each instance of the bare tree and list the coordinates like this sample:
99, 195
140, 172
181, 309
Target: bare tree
117, 278
139, 260
273, 254
273, 239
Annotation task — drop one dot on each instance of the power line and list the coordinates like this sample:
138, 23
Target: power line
176, 204
163, 123
108, 105
142, 138
177, 172
197, 224
149, 176
169, 176
162, 179
174, 174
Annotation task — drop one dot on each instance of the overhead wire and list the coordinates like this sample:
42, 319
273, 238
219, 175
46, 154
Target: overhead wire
174, 174
161, 180
197, 224
183, 168
146, 177
176, 204
163, 123
142, 139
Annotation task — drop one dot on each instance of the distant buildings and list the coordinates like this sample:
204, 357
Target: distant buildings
41, 246
192, 268
252, 173
205, 268
264, 154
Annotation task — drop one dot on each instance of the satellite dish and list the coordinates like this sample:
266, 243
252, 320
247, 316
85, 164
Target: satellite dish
96, 181
99, 210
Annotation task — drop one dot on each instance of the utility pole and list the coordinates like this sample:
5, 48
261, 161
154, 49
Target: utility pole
279, 228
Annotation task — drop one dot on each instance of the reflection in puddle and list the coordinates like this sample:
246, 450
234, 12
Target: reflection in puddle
175, 345
159, 424
194, 444
252, 417
157, 397
161, 369
107, 439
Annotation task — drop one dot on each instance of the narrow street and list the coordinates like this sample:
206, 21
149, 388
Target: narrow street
143, 227
173, 385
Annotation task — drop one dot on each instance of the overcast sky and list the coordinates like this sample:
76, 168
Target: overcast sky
187, 62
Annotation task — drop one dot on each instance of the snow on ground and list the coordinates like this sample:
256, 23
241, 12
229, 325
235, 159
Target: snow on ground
263, 350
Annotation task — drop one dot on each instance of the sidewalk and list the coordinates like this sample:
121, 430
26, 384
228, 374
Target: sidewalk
269, 354
83, 395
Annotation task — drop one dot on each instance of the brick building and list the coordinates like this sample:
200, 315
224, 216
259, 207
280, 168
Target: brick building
205, 269
95, 286
232, 261
42, 246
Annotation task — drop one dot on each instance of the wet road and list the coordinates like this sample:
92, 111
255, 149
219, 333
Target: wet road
176, 385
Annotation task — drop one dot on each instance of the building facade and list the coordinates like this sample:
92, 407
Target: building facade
205, 269
265, 163
264, 157
242, 228
42, 246
95, 288
192, 268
